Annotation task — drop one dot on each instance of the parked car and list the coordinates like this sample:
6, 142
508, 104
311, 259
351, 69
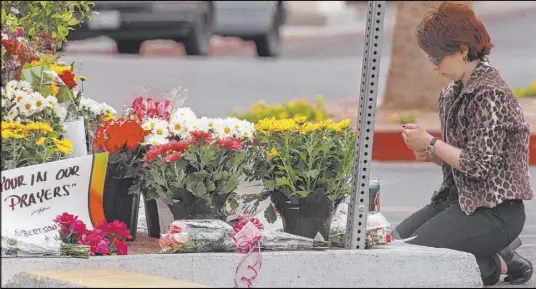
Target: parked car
130, 23
257, 21
191, 23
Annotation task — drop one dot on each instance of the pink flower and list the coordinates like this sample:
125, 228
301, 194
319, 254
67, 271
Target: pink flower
180, 238
65, 219
176, 227
166, 242
79, 227
119, 228
97, 242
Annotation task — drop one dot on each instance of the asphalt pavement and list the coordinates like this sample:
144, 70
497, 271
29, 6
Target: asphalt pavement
327, 66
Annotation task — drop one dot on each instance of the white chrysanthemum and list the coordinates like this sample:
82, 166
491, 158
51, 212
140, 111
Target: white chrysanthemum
27, 107
13, 114
247, 130
19, 85
39, 101
208, 124
18, 95
177, 127
107, 108
153, 139
149, 123
91, 105
225, 128
184, 113
161, 129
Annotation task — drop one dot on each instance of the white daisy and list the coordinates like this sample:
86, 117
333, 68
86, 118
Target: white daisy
150, 123
27, 107
153, 139
226, 128
13, 114
208, 124
161, 129
184, 113
18, 95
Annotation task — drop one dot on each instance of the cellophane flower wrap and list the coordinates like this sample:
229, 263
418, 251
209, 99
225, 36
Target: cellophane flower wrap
298, 157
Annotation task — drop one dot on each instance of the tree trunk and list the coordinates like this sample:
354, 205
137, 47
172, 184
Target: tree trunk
412, 84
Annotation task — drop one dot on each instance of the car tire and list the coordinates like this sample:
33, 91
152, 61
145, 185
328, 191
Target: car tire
128, 46
198, 42
269, 44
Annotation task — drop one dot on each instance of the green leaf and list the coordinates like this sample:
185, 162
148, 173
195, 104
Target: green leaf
302, 194
217, 176
282, 182
269, 185
199, 190
207, 156
270, 215
73, 21
311, 174
67, 16
211, 187
230, 185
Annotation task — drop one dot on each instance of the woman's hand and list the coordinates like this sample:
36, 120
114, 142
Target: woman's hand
416, 137
422, 156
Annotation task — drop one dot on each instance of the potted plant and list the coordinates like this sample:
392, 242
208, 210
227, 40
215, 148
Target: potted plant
196, 170
306, 169
122, 139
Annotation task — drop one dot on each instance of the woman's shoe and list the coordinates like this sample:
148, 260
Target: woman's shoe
519, 269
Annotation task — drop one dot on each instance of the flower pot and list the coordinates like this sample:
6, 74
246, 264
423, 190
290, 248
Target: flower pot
188, 206
151, 217
312, 215
119, 204
75, 131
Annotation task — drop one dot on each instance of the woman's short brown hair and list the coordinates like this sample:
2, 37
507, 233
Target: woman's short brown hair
444, 29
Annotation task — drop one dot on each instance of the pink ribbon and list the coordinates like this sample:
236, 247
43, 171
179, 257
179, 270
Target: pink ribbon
248, 241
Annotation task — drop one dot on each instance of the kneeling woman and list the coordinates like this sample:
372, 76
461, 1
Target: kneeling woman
483, 152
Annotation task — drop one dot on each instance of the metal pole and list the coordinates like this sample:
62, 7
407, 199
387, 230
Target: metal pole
356, 226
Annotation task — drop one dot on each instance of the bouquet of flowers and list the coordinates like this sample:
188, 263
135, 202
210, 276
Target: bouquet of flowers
30, 144
106, 239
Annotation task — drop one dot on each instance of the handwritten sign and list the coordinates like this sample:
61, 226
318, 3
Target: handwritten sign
33, 196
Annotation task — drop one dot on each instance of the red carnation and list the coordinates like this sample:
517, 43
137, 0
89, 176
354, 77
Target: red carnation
68, 78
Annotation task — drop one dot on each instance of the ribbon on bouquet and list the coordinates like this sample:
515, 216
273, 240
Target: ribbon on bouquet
248, 242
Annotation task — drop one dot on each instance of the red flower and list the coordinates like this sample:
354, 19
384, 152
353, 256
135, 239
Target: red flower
121, 247
116, 228
177, 145
66, 219
143, 107
230, 143
173, 157
97, 242
79, 228
68, 78
199, 136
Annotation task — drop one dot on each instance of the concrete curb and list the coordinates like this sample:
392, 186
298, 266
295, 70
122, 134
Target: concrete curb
100, 278
389, 146
395, 265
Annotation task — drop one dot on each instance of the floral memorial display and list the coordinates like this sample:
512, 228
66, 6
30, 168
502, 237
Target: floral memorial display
158, 149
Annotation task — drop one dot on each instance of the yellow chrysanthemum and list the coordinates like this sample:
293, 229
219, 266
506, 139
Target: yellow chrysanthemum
39, 126
12, 125
272, 153
339, 125
40, 141
63, 146
54, 89
309, 127
300, 119
6, 133
108, 116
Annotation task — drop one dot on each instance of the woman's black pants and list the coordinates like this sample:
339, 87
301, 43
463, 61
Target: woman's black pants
483, 233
